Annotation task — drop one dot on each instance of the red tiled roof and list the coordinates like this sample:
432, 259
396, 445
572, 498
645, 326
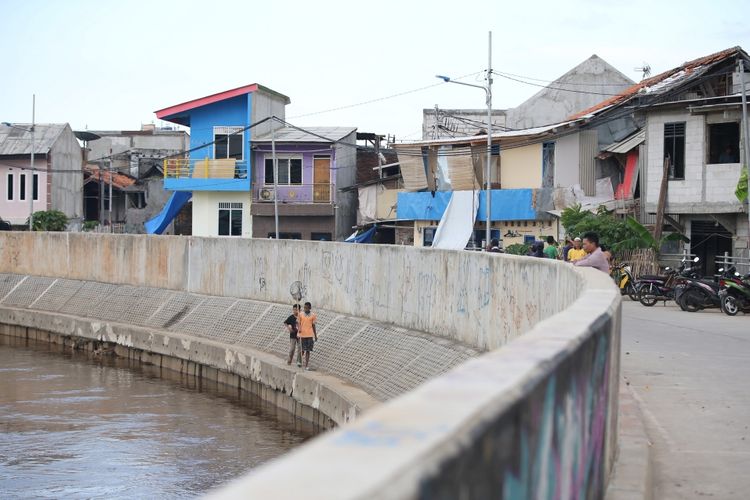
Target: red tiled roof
118, 180
689, 68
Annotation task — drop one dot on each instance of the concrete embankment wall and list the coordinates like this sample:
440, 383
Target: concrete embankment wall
475, 298
534, 419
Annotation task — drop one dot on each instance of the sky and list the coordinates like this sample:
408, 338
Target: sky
109, 65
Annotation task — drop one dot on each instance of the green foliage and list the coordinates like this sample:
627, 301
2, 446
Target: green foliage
611, 230
50, 220
518, 249
90, 225
642, 238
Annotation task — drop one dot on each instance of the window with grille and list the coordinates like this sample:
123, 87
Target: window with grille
230, 219
228, 142
674, 148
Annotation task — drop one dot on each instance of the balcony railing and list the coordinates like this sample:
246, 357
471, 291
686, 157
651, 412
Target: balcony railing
204, 168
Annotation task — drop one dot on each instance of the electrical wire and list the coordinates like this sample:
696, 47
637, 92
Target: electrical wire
379, 99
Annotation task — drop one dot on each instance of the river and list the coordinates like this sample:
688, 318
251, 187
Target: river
73, 425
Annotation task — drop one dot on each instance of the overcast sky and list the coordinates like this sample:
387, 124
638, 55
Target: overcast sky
109, 65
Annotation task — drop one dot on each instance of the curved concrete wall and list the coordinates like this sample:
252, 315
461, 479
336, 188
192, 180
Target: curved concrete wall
480, 299
536, 418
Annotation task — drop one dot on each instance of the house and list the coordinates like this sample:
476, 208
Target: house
217, 174
314, 163
136, 159
230, 173
57, 180
690, 117
580, 88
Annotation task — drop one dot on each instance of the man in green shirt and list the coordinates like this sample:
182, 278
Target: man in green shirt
551, 251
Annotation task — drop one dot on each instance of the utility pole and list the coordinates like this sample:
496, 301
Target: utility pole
31, 174
746, 143
110, 191
436, 126
488, 201
275, 178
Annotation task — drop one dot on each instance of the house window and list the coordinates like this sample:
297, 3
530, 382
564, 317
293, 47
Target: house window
230, 219
10, 187
724, 142
22, 187
228, 143
428, 236
290, 171
35, 187
674, 148
320, 236
286, 236
548, 164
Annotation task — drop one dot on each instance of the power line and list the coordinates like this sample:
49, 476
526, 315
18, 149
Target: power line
379, 99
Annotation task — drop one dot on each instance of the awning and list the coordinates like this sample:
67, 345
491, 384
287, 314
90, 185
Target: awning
626, 144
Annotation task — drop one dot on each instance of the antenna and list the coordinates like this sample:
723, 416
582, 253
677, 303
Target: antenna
645, 69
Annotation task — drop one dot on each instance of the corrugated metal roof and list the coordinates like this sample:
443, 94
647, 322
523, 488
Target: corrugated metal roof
664, 81
627, 144
16, 141
310, 134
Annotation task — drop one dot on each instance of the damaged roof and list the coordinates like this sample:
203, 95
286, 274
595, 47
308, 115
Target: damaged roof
665, 81
118, 180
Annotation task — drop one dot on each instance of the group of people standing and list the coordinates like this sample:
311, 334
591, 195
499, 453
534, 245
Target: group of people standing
303, 333
582, 252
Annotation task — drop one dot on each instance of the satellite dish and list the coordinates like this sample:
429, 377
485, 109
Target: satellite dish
297, 290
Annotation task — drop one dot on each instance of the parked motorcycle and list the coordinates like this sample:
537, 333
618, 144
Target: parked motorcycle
652, 289
734, 295
623, 276
700, 293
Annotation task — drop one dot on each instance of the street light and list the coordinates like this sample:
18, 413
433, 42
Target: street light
30, 192
488, 91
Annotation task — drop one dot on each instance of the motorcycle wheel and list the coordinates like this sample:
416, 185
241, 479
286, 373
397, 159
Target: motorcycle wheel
632, 291
730, 305
647, 295
679, 301
691, 301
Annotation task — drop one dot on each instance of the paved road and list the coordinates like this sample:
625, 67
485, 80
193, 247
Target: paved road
691, 375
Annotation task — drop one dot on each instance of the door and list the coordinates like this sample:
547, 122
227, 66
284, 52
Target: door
322, 179
709, 239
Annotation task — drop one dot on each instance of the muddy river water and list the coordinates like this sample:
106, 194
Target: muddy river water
73, 425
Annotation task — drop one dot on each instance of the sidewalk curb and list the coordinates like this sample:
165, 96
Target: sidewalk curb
631, 477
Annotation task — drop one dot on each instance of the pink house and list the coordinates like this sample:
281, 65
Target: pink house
56, 181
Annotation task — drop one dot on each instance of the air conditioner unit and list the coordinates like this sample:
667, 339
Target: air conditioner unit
266, 195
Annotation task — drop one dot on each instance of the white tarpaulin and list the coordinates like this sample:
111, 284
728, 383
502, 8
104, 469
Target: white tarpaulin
457, 224
368, 197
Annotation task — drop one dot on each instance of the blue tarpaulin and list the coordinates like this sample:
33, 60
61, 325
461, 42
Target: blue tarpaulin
507, 204
365, 237
158, 224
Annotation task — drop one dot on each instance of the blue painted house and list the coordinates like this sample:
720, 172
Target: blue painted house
218, 172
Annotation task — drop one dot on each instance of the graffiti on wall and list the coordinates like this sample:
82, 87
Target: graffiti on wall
561, 450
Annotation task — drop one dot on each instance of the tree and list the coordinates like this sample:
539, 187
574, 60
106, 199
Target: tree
49, 220
641, 237
610, 229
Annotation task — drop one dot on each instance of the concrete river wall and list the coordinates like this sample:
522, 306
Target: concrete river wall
535, 418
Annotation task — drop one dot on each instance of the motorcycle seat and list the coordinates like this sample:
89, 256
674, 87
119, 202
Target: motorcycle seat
652, 277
